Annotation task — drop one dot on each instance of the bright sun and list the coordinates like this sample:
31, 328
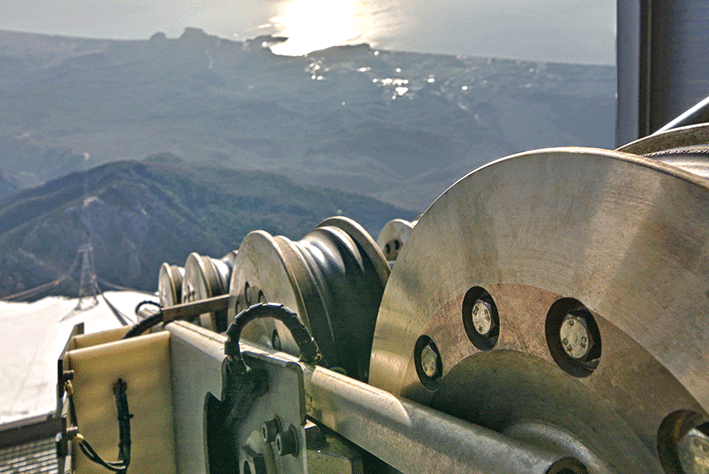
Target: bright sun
316, 24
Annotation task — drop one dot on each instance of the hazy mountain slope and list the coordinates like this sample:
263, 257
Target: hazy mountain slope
8, 184
141, 214
400, 126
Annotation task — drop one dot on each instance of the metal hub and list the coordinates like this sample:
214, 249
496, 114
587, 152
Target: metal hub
579, 250
693, 452
393, 236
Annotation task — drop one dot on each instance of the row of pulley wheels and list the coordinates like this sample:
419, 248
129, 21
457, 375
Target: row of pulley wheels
333, 278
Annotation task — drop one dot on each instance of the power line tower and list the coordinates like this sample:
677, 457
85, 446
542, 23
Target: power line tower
88, 287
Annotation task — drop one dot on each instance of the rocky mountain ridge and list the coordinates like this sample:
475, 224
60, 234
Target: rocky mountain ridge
140, 214
393, 125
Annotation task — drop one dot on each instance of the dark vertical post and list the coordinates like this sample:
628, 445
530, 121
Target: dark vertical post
663, 63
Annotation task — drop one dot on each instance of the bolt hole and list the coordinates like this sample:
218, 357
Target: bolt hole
480, 318
427, 360
573, 337
567, 466
247, 296
677, 442
276, 341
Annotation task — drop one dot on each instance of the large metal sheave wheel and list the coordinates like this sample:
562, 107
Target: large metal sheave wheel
572, 313
206, 277
333, 278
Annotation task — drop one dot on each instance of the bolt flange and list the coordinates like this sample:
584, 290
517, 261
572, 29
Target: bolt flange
287, 442
270, 429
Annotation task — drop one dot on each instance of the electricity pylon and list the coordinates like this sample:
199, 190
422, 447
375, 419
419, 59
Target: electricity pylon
88, 286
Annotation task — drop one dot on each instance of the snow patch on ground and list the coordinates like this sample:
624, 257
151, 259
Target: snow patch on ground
32, 336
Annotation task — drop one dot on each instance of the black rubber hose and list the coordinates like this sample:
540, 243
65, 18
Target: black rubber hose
124, 442
143, 303
144, 325
124, 416
309, 351
147, 323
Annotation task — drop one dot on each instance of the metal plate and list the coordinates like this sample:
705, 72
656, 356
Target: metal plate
197, 358
624, 235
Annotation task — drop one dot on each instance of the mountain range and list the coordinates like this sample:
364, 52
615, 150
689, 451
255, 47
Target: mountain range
137, 215
152, 149
397, 126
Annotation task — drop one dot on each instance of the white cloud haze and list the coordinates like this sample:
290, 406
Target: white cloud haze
550, 30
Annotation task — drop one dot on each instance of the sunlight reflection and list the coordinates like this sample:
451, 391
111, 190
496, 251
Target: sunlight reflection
317, 24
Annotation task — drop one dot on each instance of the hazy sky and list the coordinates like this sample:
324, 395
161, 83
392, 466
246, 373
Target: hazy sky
579, 31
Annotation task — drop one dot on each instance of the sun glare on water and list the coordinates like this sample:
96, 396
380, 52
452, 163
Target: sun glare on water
317, 24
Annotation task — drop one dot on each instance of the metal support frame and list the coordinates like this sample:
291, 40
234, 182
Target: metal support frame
409, 437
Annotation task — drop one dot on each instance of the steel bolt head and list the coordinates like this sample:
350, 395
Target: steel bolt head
483, 321
575, 337
430, 360
693, 451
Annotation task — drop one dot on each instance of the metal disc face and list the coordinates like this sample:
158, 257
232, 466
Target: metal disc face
205, 278
170, 284
617, 240
260, 275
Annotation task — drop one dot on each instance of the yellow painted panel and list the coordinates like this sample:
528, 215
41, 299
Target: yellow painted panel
144, 364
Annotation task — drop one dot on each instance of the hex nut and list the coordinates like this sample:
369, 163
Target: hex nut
576, 338
483, 321
430, 360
